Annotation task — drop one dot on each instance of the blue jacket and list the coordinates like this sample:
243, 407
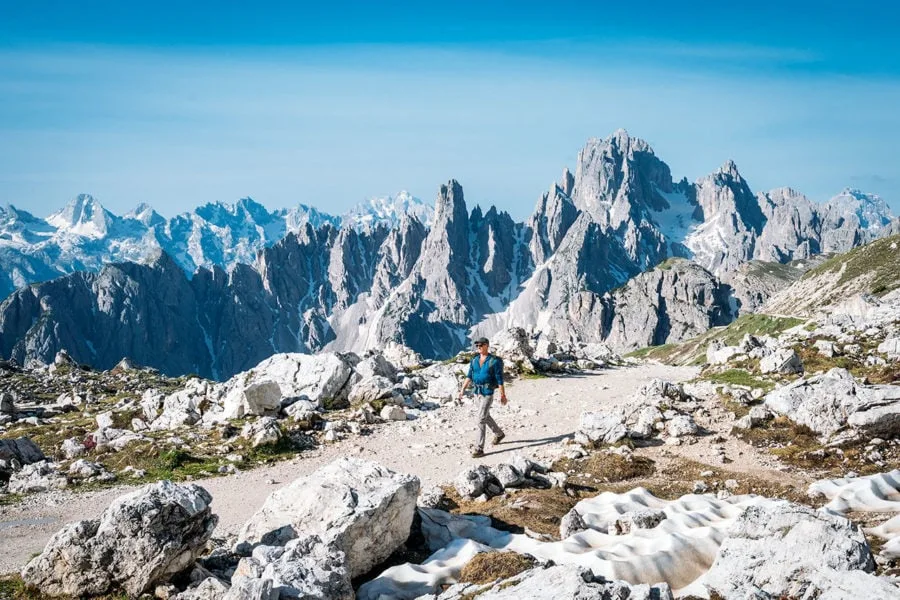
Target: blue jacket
488, 376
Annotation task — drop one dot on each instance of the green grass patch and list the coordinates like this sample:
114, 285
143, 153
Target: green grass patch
9, 500
877, 261
739, 377
534, 376
693, 351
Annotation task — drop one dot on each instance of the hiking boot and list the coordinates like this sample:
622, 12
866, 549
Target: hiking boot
477, 453
498, 438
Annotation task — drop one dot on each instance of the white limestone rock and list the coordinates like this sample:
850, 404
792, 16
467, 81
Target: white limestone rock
780, 548
597, 428
783, 360
443, 388
140, 540
828, 402
356, 506
264, 431
302, 569
40, 476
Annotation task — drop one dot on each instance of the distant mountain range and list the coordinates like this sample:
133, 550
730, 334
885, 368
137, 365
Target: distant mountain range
84, 236
589, 265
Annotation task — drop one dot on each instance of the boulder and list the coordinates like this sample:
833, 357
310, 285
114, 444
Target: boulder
393, 413
514, 347
828, 402
324, 379
115, 439
210, 588
7, 404
717, 354
779, 549
356, 506
826, 348
41, 476
104, 419
85, 469
597, 428
72, 448
570, 524
152, 404
264, 431
14, 454
302, 569
180, 409
508, 475
443, 388
401, 356
783, 360
376, 365
555, 582
891, 347
375, 387
304, 411
636, 519
142, 539
681, 426
476, 481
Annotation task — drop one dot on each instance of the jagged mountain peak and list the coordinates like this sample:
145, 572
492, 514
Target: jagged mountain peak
84, 216
450, 201
729, 169
145, 214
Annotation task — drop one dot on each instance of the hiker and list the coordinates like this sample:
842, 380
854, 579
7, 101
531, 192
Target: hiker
486, 375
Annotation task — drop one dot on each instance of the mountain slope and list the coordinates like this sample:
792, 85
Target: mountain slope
873, 269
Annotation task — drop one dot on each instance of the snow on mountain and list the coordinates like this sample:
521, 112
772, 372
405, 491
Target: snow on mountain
580, 269
389, 211
871, 211
83, 216
85, 236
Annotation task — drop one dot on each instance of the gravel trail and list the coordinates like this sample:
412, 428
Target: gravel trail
541, 413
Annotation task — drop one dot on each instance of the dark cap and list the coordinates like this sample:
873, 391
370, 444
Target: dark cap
482, 340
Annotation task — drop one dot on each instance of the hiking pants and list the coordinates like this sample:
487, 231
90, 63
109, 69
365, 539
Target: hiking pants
485, 419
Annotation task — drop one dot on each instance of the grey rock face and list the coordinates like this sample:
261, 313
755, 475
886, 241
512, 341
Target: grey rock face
355, 506
141, 539
826, 403
394, 281
598, 428
14, 454
476, 481
303, 569
783, 549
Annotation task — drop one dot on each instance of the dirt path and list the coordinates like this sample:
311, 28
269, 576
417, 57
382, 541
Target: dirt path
541, 413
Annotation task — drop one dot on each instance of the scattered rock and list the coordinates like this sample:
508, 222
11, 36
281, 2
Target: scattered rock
303, 568
140, 540
476, 481
783, 360
570, 524
780, 548
599, 428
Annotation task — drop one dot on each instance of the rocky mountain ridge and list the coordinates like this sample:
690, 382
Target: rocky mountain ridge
83, 235
577, 271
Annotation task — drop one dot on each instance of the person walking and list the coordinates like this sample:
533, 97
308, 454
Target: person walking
485, 375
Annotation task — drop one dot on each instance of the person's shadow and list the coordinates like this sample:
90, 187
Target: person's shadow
514, 445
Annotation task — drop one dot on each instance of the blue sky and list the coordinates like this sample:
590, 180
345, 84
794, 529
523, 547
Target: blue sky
331, 103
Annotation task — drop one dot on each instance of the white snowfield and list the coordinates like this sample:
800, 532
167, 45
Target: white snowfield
873, 493
678, 551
